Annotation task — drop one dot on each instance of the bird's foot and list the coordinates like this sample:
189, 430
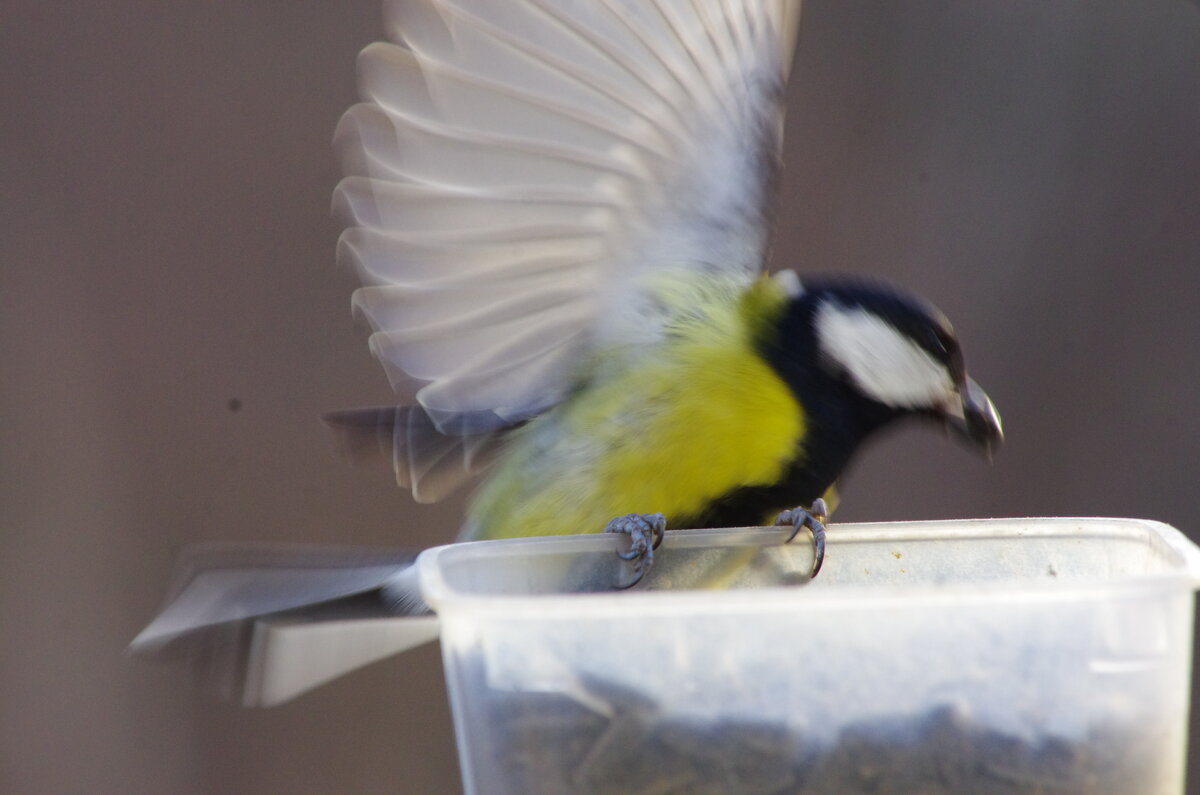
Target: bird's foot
645, 531
814, 519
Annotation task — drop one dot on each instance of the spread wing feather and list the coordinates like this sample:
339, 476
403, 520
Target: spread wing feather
517, 170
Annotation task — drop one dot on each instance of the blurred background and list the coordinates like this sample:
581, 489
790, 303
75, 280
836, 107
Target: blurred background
172, 323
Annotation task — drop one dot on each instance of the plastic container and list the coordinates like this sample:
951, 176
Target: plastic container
1036, 655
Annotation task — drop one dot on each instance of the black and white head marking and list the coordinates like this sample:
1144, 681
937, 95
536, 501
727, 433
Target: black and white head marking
882, 361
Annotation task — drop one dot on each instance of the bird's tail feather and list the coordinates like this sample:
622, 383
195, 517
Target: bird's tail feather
261, 623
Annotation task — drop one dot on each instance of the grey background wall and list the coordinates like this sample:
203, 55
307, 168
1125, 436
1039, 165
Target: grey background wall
172, 323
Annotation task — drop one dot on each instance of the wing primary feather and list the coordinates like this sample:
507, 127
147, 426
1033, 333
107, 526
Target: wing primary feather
720, 33
699, 61
431, 463
573, 71
416, 311
448, 216
398, 59
543, 149
383, 260
646, 39
510, 148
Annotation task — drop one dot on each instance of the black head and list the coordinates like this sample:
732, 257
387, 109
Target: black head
865, 353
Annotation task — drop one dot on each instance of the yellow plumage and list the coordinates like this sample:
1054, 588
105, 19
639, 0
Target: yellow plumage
698, 416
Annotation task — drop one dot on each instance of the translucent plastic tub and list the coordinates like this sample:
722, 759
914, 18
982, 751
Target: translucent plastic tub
1039, 655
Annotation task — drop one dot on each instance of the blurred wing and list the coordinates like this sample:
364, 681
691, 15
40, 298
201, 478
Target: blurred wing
428, 462
517, 168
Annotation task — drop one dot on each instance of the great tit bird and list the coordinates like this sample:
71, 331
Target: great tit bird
561, 212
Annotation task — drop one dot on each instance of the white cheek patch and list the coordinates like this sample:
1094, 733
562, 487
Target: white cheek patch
883, 363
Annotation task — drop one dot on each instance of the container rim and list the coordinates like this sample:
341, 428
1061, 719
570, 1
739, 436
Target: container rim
439, 594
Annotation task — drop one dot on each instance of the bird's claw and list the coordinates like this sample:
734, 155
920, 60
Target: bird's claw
814, 519
645, 531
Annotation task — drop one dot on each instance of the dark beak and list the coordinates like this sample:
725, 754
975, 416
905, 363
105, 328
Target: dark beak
973, 417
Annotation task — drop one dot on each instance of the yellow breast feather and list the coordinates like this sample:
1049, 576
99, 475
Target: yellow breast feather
697, 416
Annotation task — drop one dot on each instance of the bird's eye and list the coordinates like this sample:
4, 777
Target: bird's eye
947, 346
